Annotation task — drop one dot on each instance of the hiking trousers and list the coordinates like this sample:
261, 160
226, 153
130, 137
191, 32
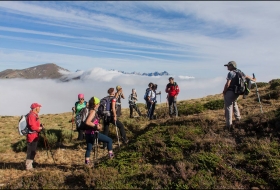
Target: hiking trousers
101, 138
230, 99
119, 125
31, 150
134, 106
30, 154
151, 108
80, 135
172, 106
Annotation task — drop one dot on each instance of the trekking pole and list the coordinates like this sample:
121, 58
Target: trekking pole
117, 134
47, 146
96, 145
72, 126
257, 91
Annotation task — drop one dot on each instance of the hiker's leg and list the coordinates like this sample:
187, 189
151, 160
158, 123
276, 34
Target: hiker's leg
175, 107
30, 154
152, 110
236, 109
137, 110
122, 131
80, 135
229, 99
107, 140
105, 130
131, 110
170, 103
89, 140
149, 109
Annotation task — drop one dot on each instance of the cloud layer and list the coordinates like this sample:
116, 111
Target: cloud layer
59, 97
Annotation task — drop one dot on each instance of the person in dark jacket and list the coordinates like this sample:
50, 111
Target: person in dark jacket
32, 137
173, 90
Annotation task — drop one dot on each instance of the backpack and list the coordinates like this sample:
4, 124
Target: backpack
104, 109
23, 128
81, 118
241, 84
146, 94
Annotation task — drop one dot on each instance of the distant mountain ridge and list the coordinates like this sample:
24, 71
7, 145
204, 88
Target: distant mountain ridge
164, 73
48, 71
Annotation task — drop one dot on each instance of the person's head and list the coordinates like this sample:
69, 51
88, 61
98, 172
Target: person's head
81, 97
93, 103
133, 91
35, 107
155, 87
111, 91
150, 85
171, 80
118, 88
231, 65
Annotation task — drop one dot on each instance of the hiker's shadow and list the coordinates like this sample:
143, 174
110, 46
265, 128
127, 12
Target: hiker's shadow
21, 166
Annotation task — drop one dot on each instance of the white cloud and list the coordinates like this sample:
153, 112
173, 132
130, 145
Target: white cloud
59, 97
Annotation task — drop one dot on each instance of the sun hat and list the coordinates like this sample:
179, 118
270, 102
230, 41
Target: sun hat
96, 100
80, 96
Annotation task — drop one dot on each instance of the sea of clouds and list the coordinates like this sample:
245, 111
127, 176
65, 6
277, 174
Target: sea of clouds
57, 97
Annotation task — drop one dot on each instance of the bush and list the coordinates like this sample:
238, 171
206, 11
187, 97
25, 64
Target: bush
188, 109
20, 146
214, 105
260, 85
274, 83
66, 135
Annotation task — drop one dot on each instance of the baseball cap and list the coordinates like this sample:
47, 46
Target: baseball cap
118, 87
231, 63
35, 105
96, 100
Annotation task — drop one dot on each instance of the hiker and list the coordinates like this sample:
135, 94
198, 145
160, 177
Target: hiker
151, 103
93, 122
230, 97
150, 87
76, 109
113, 118
119, 95
132, 99
172, 89
32, 137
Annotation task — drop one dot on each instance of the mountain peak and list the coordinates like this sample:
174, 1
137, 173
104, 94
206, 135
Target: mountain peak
48, 70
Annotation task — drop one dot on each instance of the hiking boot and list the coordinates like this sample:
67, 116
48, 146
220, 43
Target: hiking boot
131, 116
111, 155
87, 162
28, 165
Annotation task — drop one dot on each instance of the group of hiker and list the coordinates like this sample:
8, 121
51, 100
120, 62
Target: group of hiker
110, 112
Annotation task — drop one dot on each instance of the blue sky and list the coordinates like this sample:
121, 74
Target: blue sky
183, 38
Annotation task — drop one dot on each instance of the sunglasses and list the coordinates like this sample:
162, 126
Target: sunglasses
81, 99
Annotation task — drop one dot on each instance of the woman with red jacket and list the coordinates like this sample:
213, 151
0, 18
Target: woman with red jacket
32, 137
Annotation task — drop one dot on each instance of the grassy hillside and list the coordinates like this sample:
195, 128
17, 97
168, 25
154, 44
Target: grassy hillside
191, 151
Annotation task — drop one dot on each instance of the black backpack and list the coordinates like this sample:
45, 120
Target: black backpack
242, 85
104, 109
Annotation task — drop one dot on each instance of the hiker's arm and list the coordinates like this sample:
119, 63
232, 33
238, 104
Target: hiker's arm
177, 90
90, 118
252, 79
226, 86
114, 110
122, 96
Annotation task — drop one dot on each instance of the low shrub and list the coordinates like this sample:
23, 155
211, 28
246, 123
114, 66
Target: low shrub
191, 108
214, 105
274, 83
